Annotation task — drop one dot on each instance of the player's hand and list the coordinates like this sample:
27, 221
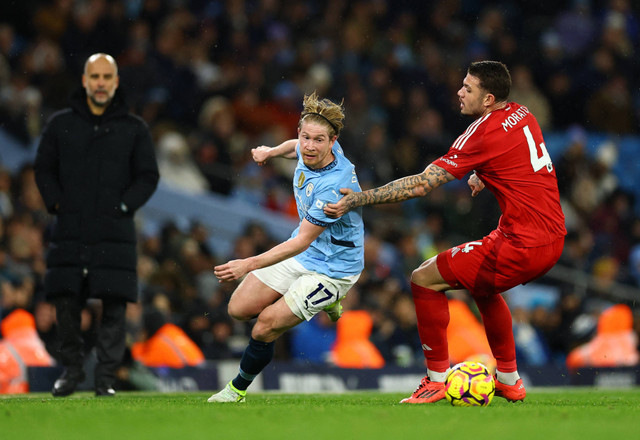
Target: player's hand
475, 184
232, 270
342, 206
260, 154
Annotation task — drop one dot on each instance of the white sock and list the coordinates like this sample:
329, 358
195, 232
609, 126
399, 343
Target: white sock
436, 376
507, 378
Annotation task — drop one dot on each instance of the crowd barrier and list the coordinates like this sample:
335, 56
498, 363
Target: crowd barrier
296, 378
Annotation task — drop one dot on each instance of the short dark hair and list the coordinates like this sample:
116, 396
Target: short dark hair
494, 78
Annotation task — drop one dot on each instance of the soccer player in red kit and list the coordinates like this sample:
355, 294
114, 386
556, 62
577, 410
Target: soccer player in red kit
505, 152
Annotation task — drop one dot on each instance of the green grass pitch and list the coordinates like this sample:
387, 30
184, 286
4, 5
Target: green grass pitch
553, 413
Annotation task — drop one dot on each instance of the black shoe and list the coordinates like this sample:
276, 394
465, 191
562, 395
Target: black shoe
105, 391
67, 383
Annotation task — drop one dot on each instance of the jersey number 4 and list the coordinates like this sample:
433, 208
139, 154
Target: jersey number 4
539, 155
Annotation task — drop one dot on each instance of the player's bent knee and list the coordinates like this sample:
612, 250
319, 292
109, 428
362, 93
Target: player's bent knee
264, 331
239, 313
269, 326
427, 275
421, 277
415, 276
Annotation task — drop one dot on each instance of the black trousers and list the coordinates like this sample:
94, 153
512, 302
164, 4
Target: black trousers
110, 341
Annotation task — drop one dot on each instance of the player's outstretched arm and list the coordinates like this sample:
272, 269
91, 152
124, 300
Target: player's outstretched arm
399, 190
236, 269
262, 154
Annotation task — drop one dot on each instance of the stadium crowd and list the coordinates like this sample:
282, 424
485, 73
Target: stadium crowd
216, 78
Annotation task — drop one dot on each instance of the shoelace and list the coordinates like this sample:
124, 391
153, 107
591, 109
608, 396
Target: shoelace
423, 384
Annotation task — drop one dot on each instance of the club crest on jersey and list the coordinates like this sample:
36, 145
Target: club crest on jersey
309, 189
301, 180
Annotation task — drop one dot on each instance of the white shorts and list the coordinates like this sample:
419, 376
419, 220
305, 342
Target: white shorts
306, 292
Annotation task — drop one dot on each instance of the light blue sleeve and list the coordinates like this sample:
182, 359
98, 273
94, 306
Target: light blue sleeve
328, 191
321, 197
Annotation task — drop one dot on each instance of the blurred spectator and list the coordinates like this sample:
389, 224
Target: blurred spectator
20, 108
218, 140
606, 270
164, 344
611, 225
615, 343
352, 348
52, 19
6, 202
176, 166
465, 333
488, 32
524, 91
20, 347
576, 28
396, 334
574, 161
578, 249
376, 145
211, 329
620, 28
46, 67
634, 252
592, 188
312, 341
16, 284
11, 46
610, 108
530, 345
600, 66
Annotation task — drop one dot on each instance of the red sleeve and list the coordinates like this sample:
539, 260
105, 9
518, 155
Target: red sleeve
466, 153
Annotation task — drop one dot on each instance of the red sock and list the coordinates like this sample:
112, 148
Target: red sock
498, 327
432, 310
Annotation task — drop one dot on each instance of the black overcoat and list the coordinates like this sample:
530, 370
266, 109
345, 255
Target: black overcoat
86, 168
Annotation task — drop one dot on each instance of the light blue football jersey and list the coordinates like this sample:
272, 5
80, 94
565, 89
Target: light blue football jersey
339, 251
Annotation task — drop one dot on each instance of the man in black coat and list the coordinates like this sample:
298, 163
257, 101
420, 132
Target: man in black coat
94, 168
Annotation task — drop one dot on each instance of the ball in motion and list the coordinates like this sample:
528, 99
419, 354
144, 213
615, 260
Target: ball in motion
469, 384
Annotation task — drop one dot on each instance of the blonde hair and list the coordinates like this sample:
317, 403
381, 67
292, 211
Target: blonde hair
324, 112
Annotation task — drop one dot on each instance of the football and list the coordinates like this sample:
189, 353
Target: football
469, 384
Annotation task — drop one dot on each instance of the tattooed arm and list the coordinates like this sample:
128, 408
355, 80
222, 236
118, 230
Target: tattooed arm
399, 190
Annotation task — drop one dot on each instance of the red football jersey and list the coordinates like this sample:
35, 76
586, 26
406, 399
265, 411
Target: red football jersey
507, 152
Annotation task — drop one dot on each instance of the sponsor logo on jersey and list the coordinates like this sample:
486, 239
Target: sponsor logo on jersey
449, 161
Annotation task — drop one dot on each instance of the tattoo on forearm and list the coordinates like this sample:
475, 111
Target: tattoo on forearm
405, 188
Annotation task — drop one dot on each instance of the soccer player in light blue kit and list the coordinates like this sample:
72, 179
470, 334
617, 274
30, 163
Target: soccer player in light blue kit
311, 271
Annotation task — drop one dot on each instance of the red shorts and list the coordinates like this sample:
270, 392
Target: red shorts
493, 265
